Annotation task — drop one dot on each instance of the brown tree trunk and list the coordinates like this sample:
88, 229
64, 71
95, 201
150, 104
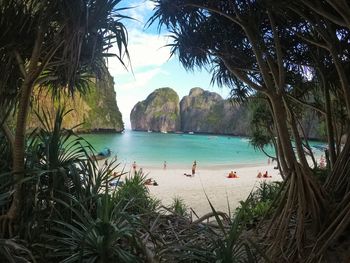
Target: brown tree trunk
298, 142
280, 117
34, 69
19, 147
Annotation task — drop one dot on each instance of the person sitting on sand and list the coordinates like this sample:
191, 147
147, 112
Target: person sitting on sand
232, 174
148, 181
265, 175
259, 175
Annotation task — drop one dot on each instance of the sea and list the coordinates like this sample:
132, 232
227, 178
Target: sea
179, 150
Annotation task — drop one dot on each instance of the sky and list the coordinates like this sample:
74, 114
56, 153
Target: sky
152, 66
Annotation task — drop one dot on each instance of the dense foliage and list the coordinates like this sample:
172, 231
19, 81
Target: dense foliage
56, 201
292, 55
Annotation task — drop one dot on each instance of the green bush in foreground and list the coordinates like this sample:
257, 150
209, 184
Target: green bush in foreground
260, 203
134, 195
179, 207
109, 235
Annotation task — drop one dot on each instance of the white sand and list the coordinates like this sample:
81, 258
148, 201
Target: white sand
212, 181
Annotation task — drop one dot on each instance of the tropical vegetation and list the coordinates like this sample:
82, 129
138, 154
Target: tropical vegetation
294, 55
58, 204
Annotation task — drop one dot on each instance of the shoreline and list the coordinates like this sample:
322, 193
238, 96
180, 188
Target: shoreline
222, 192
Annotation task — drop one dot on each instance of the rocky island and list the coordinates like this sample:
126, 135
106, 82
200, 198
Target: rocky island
158, 112
207, 112
200, 112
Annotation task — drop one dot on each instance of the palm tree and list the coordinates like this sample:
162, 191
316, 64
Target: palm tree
57, 42
253, 45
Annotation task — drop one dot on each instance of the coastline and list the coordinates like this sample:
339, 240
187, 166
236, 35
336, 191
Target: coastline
224, 193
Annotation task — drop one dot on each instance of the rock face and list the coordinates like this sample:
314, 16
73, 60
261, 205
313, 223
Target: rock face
206, 112
96, 111
159, 112
201, 112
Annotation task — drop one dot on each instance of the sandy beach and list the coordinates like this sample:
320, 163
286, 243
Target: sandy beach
214, 182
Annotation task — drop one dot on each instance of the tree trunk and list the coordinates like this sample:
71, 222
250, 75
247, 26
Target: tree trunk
8, 134
298, 142
329, 125
280, 117
34, 70
19, 147
302, 204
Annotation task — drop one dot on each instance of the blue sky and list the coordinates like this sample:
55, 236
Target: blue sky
151, 63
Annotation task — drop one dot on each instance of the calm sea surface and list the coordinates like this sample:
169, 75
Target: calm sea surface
178, 149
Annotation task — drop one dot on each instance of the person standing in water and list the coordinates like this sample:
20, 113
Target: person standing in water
164, 165
194, 166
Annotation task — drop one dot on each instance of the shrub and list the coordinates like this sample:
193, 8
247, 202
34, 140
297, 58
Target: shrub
179, 207
259, 204
134, 195
108, 235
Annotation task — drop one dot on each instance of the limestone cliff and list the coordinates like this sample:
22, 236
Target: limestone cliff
159, 112
202, 112
95, 111
207, 112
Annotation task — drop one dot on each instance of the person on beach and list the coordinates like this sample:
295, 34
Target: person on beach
148, 181
322, 162
232, 174
259, 175
194, 166
151, 181
164, 165
265, 175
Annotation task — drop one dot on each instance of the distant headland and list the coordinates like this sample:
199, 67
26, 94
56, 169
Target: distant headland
200, 111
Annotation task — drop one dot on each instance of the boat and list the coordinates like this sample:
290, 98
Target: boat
191, 132
105, 153
163, 131
149, 131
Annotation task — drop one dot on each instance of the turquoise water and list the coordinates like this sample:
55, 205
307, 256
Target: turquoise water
178, 149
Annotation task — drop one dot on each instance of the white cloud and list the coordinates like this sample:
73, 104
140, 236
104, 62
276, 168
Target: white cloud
127, 96
145, 50
140, 80
148, 53
141, 10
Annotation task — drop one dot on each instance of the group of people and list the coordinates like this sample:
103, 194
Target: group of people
193, 171
263, 175
232, 174
151, 181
